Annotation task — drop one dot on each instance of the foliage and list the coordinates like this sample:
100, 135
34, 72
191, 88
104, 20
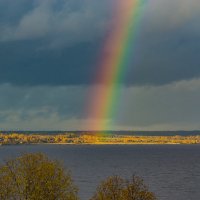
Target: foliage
117, 188
85, 138
35, 177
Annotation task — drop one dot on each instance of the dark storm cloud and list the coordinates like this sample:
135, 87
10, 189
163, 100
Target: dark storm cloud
174, 106
22, 65
170, 107
57, 42
41, 101
168, 43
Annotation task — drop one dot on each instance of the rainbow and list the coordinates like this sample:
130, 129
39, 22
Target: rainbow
114, 61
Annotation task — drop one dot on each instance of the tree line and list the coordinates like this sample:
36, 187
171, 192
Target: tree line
34, 176
16, 138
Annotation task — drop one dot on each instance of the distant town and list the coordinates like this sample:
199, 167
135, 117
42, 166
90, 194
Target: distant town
91, 138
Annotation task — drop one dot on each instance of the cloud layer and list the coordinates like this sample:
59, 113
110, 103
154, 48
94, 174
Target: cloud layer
58, 42
60, 22
169, 107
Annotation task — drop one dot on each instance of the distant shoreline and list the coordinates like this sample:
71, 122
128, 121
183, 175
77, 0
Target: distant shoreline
95, 139
99, 144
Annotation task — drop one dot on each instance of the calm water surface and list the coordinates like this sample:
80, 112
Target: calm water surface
171, 171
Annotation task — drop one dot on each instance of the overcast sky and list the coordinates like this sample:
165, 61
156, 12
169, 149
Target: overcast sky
48, 58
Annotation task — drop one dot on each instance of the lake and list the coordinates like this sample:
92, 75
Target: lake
172, 172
